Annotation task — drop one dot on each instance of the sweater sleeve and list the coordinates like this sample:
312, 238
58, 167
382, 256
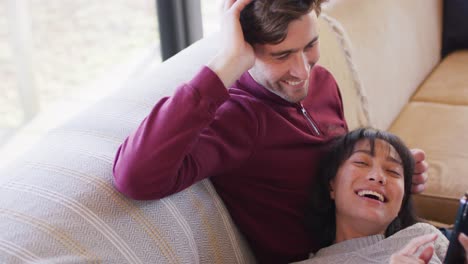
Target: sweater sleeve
190, 136
440, 245
420, 229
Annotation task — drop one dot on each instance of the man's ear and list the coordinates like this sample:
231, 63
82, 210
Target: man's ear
331, 188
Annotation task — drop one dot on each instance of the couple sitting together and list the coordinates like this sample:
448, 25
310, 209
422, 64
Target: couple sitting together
259, 120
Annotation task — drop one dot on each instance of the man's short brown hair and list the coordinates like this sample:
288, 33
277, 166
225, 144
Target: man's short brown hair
267, 21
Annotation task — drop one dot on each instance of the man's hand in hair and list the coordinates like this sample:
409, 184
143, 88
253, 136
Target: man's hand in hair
236, 56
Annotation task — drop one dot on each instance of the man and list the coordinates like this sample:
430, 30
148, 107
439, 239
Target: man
261, 141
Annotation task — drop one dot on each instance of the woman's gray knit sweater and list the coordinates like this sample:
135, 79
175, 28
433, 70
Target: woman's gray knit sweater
377, 248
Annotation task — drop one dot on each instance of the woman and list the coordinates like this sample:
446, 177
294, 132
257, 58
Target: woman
362, 205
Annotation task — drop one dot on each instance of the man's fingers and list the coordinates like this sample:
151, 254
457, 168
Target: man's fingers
418, 188
419, 178
427, 253
239, 5
418, 155
421, 167
415, 243
420, 175
228, 4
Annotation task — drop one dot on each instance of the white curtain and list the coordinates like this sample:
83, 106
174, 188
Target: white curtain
52, 51
19, 21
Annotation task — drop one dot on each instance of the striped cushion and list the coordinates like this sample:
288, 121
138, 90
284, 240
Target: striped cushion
58, 203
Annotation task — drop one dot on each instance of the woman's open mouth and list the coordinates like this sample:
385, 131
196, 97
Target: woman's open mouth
372, 195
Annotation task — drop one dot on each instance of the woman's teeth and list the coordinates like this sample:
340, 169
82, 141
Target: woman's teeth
371, 194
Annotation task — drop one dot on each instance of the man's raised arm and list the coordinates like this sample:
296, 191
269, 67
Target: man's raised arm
193, 134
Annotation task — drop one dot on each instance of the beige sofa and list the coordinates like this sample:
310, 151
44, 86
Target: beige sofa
58, 204
398, 80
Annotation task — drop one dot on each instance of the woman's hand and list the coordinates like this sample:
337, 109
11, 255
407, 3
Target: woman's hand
236, 56
408, 255
464, 242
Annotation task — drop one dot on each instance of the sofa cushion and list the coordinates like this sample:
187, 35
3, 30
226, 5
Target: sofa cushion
439, 130
455, 35
394, 45
448, 83
58, 203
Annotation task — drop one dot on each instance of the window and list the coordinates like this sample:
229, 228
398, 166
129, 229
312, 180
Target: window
211, 16
52, 51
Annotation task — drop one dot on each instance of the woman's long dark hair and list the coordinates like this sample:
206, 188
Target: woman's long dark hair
320, 215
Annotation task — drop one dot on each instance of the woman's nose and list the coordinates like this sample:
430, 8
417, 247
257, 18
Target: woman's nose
378, 176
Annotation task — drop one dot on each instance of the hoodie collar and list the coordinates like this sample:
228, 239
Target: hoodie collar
247, 83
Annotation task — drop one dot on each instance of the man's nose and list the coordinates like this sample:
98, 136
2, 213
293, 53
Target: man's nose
301, 67
377, 175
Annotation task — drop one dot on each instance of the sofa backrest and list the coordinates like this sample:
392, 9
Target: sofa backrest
392, 45
58, 203
334, 56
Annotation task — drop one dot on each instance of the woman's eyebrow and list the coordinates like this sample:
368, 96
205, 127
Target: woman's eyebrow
392, 159
368, 152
